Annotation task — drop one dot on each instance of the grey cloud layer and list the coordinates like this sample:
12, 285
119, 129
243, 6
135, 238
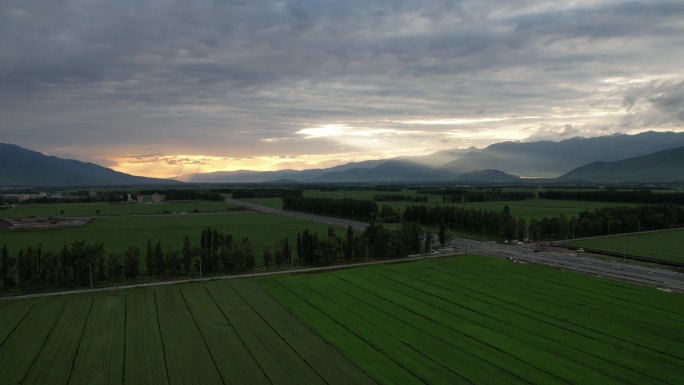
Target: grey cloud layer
215, 77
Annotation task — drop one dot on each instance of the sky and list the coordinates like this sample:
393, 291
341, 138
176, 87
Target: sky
171, 87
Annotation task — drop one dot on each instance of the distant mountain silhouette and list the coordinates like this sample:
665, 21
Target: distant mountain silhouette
22, 167
660, 167
545, 159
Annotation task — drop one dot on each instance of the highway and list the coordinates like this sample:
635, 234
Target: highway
663, 278
641, 274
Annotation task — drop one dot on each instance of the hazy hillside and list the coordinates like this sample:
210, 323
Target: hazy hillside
534, 159
660, 167
22, 167
551, 159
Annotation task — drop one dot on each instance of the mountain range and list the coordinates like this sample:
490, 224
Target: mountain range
22, 167
542, 159
660, 167
649, 157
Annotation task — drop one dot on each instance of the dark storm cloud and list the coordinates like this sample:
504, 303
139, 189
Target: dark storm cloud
222, 77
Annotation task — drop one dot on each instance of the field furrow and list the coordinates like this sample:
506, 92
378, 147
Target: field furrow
570, 315
145, 362
11, 319
381, 364
22, 348
189, 362
311, 348
235, 362
55, 361
100, 356
568, 350
276, 357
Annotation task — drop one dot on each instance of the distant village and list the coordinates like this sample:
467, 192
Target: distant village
11, 200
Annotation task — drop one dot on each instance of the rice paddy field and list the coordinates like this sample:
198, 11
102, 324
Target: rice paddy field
460, 320
109, 209
118, 232
660, 245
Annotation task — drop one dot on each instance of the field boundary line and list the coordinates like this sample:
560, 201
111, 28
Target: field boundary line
484, 315
467, 336
204, 339
401, 340
306, 270
583, 291
399, 364
80, 339
621, 234
47, 337
662, 313
242, 340
313, 331
161, 338
125, 325
583, 329
17, 325
280, 335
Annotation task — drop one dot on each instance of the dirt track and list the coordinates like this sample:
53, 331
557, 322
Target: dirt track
356, 225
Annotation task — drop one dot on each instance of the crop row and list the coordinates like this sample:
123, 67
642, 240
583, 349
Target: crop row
214, 333
476, 320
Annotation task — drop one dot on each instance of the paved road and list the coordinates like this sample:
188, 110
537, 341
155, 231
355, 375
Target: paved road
356, 225
657, 277
645, 275
298, 270
562, 242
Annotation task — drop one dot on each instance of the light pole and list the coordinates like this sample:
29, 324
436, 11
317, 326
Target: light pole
90, 270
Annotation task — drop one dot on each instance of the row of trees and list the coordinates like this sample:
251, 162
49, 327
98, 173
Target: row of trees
376, 242
604, 221
635, 196
399, 198
78, 264
82, 264
360, 209
187, 195
267, 193
468, 219
610, 220
487, 196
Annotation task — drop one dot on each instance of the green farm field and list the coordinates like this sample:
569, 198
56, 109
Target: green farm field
221, 333
486, 321
112, 209
661, 245
528, 209
117, 233
459, 320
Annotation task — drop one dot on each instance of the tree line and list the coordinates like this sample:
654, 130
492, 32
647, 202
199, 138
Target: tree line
603, 221
471, 220
609, 220
80, 264
635, 196
188, 195
267, 193
359, 209
486, 196
375, 242
399, 198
